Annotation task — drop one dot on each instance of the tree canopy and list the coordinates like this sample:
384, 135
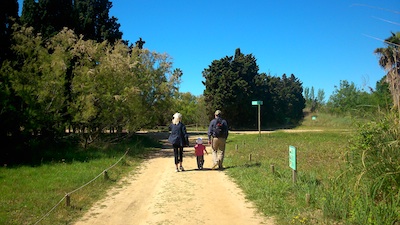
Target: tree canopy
8, 14
233, 82
389, 59
87, 17
109, 86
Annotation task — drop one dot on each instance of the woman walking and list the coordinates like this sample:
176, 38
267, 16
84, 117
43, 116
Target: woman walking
179, 139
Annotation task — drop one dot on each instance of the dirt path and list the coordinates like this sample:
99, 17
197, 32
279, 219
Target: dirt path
157, 195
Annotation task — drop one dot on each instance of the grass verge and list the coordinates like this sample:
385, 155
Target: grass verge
260, 166
30, 192
347, 171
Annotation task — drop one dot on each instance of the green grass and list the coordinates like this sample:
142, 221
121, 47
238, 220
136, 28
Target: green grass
326, 122
320, 157
30, 192
275, 194
326, 172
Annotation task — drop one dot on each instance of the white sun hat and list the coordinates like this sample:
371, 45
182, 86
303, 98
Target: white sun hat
199, 141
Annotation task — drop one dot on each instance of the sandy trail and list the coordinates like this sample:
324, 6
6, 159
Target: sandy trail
156, 194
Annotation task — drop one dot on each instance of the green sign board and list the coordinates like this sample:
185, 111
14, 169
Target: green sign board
292, 157
256, 102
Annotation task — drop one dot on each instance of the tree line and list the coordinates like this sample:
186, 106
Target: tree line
66, 70
348, 99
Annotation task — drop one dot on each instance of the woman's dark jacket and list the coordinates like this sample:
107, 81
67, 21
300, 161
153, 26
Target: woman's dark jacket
178, 135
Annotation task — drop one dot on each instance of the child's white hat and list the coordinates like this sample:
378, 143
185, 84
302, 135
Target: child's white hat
199, 141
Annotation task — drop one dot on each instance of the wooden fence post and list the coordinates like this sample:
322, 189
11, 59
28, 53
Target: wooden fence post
308, 196
105, 175
273, 169
67, 200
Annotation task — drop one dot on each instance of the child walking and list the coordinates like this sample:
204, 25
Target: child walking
199, 150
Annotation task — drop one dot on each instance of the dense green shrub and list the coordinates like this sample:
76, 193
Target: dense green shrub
370, 182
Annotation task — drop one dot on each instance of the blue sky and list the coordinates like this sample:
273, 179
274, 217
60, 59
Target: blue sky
320, 42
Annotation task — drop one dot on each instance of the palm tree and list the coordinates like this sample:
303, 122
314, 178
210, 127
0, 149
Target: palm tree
389, 59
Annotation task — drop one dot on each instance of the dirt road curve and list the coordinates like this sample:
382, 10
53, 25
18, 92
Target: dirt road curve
157, 195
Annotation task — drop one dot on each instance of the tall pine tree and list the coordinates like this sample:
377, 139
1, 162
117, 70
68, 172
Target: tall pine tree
8, 117
229, 87
87, 17
232, 83
93, 21
30, 14
8, 12
54, 16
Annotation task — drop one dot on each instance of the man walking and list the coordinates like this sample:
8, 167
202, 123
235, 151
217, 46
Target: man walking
217, 135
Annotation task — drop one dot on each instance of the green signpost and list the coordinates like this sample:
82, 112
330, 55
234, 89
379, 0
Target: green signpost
293, 161
292, 157
258, 103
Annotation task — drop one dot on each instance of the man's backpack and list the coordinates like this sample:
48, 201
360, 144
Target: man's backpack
220, 128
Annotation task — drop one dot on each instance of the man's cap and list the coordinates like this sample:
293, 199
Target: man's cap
218, 112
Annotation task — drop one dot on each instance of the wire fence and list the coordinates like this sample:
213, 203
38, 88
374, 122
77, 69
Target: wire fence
67, 195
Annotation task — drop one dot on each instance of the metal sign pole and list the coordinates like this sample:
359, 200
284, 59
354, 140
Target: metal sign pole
258, 103
259, 120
